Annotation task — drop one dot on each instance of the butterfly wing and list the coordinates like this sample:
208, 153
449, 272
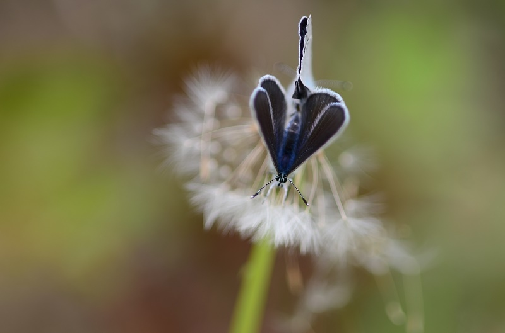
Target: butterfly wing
313, 107
269, 107
324, 116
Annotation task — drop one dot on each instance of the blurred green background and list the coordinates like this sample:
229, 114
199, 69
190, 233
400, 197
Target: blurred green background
95, 238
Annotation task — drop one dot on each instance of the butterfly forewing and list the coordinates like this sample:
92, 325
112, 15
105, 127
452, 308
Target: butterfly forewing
269, 107
313, 109
278, 103
330, 121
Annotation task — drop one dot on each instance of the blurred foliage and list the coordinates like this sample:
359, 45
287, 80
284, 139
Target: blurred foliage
93, 237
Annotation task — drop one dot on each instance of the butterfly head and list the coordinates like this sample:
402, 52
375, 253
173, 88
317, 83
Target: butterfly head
281, 178
301, 91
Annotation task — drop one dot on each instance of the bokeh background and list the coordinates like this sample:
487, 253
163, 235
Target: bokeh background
94, 237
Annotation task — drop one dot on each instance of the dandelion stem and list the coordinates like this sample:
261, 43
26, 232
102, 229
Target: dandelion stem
250, 303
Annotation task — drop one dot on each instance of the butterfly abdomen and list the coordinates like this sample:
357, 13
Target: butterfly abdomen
290, 141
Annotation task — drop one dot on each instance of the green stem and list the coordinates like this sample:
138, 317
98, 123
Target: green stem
250, 304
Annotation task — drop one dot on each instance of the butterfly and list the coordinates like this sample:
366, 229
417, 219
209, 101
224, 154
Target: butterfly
316, 116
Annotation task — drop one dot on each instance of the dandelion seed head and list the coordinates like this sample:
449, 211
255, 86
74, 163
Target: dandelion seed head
217, 145
216, 142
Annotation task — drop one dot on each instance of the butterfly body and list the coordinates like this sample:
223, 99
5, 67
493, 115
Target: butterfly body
290, 142
317, 116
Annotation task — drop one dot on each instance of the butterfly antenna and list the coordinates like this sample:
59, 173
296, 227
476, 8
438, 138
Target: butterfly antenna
256, 194
300, 193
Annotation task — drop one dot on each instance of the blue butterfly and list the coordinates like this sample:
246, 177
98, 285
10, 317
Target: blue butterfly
317, 115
